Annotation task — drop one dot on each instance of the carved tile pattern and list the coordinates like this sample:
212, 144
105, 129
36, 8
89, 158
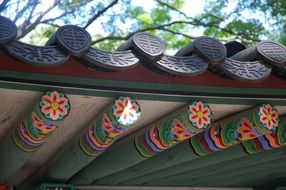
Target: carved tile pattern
183, 65
274, 51
8, 30
115, 60
74, 39
211, 47
252, 71
148, 44
45, 56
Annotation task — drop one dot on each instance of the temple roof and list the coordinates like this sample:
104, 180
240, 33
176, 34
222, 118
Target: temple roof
229, 86
231, 60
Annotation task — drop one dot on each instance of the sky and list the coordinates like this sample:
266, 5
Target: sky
191, 8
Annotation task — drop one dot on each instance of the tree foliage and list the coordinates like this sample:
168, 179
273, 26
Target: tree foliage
112, 22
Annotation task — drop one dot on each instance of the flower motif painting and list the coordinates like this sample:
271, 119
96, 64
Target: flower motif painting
41, 126
246, 130
200, 114
54, 105
126, 110
180, 131
269, 117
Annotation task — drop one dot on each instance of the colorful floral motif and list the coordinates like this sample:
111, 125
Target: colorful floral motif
175, 128
246, 130
126, 110
269, 116
235, 129
268, 141
111, 130
54, 105
109, 125
180, 131
43, 128
200, 114
34, 131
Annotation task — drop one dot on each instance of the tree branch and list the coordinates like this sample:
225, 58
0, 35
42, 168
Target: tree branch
22, 11
3, 5
177, 33
30, 27
173, 8
99, 13
163, 28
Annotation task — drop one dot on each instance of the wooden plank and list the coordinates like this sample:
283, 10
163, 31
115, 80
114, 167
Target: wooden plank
250, 175
205, 175
179, 171
176, 155
179, 158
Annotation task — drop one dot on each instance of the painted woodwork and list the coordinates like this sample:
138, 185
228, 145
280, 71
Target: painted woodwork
245, 126
103, 131
173, 129
111, 123
214, 174
181, 161
203, 170
269, 141
52, 186
32, 132
165, 133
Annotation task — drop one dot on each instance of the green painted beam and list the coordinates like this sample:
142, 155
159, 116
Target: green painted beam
12, 159
191, 163
103, 131
197, 177
276, 139
278, 182
141, 90
249, 175
28, 136
149, 141
131, 176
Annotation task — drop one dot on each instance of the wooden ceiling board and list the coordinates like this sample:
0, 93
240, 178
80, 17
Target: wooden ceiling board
17, 103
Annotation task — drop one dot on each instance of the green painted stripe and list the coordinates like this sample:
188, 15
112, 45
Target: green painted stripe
141, 90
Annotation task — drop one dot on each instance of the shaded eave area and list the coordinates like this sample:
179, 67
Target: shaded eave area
90, 91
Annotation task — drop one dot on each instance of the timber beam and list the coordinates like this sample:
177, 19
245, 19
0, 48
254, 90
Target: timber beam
235, 156
103, 131
151, 140
32, 133
229, 131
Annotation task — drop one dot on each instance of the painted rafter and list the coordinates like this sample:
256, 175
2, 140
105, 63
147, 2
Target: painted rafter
32, 133
181, 172
151, 140
103, 131
230, 129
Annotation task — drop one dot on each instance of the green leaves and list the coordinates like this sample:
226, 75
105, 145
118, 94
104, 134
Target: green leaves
247, 21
